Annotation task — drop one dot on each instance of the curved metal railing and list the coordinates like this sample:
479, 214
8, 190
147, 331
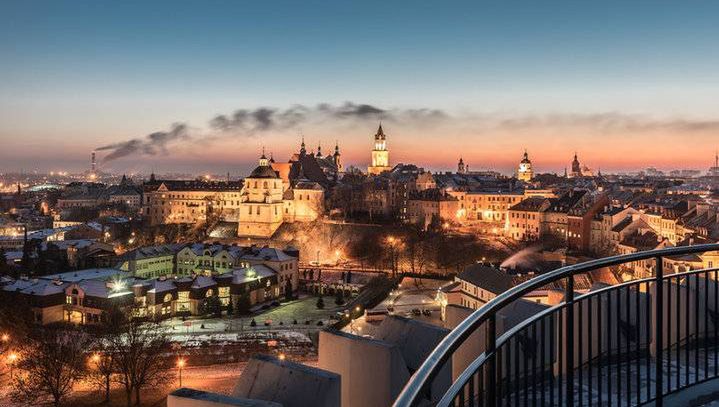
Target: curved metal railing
629, 343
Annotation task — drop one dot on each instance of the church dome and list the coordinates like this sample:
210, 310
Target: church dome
263, 171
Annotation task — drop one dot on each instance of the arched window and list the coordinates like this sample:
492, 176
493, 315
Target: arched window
209, 292
264, 185
168, 297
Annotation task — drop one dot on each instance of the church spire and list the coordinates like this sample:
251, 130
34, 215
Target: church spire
264, 162
319, 149
380, 133
303, 150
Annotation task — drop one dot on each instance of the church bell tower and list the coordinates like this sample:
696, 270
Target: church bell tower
380, 154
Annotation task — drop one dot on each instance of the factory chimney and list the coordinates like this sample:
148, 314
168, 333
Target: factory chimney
93, 162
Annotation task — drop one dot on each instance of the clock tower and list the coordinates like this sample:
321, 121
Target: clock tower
380, 155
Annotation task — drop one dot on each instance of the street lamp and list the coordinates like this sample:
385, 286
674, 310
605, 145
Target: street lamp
5, 337
180, 365
11, 358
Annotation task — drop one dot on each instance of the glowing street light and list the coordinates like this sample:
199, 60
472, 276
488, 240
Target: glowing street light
5, 338
282, 356
180, 365
11, 359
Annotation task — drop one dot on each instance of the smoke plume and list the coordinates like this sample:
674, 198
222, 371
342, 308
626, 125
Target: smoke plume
152, 144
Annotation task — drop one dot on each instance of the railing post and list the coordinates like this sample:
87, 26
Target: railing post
490, 342
569, 300
658, 330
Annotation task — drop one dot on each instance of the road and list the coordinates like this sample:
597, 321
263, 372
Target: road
411, 294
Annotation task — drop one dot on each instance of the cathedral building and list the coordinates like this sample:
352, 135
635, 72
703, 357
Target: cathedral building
261, 206
294, 191
380, 154
525, 172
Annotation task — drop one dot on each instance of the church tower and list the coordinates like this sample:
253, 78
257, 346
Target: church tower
380, 155
525, 172
461, 168
338, 159
576, 167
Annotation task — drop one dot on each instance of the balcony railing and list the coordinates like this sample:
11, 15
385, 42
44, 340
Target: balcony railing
626, 344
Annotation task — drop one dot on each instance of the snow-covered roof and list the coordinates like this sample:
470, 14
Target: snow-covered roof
45, 233
65, 244
97, 288
267, 254
89, 274
39, 287
161, 285
247, 274
202, 282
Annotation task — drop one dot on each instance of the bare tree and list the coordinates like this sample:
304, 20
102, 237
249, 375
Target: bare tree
140, 356
416, 252
50, 362
102, 370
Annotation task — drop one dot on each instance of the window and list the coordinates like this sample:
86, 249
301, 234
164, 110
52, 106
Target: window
168, 297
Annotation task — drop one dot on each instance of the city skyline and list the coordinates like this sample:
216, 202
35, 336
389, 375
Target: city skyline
621, 84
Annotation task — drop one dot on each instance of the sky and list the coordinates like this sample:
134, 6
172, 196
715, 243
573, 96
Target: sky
157, 84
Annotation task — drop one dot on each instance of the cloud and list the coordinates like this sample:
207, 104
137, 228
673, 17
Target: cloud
249, 122
610, 122
151, 144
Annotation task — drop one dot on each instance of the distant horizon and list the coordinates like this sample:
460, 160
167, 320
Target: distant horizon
627, 85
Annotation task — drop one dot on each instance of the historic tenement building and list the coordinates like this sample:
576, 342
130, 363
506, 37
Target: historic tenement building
431, 205
177, 201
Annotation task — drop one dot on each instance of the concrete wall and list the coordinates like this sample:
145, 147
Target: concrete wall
373, 372
185, 397
416, 340
291, 384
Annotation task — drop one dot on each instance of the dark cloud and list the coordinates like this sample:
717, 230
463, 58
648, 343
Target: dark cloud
350, 109
249, 122
152, 144
265, 118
